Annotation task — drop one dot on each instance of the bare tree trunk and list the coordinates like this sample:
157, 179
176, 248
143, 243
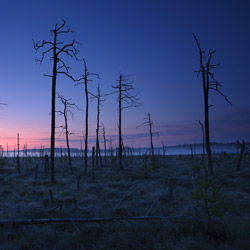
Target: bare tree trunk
123, 88
86, 80
93, 164
86, 123
209, 83
105, 145
207, 134
97, 127
53, 109
205, 83
120, 121
151, 137
67, 136
68, 106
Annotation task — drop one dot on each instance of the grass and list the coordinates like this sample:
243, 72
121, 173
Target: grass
168, 187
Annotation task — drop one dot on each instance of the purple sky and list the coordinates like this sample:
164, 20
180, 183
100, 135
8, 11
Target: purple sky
150, 40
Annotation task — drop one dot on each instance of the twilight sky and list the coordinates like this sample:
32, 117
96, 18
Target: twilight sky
150, 40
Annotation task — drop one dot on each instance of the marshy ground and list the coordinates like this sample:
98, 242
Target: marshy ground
163, 189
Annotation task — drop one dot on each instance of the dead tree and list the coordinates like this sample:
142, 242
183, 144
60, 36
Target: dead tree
86, 80
203, 140
58, 50
67, 108
99, 103
93, 164
125, 100
209, 83
149, 123
100, 99
105, 144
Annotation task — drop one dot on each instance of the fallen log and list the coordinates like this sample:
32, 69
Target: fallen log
88, 220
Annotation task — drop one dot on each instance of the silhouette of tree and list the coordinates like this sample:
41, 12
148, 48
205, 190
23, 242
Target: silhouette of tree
149, 123
125, 100
105, 144
100, 99
58, 50
209, 83
86, 80
68, 106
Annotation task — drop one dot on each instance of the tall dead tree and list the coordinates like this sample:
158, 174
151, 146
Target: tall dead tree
99, 103
100, 99
58, 49
67, 108
209, 83
105, 144
125, 100
149, 123
86, 80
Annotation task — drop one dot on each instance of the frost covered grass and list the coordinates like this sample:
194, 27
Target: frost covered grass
163, 190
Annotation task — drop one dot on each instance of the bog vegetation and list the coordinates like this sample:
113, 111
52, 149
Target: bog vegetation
116, 199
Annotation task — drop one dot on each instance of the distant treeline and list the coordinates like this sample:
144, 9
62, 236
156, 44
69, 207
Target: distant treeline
185, 149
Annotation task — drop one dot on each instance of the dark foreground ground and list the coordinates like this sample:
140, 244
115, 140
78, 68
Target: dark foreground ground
162, 189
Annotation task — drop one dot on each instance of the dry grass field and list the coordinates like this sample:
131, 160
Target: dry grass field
141, 189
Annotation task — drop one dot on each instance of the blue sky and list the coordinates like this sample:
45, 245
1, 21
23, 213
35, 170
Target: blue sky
149, 40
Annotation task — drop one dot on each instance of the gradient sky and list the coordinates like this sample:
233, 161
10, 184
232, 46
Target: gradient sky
150, 40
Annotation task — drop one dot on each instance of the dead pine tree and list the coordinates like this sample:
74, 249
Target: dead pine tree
100, 99
58, 50
105, 144
99, 104
86, 80
125, 100
209, 83
67, 108
149, 123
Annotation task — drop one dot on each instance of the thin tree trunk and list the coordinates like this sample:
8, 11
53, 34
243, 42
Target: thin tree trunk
93, 164
105, 145
53, 108
151, 137
67, 136
207, 134
97, 127
120, 122
86, 124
